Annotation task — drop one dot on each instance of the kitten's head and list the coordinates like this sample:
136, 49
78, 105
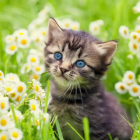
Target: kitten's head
75, 56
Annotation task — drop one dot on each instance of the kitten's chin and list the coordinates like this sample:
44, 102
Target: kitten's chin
61, 81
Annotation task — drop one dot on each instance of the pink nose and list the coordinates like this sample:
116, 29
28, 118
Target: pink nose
63, 70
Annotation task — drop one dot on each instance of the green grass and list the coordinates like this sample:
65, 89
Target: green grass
15, 14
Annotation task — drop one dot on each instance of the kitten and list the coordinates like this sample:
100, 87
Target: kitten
76, 60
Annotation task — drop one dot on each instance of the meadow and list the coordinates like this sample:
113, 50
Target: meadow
24, 83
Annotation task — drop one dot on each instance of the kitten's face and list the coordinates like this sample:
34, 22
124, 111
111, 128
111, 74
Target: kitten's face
73, 57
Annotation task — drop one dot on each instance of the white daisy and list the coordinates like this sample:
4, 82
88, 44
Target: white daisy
4, 135
136, 9
1, 74
120, 88
5, 123
75, 25
129, 77
35, 76
94, 28
25, 68
100, 22
137, 28
134, 47
33, 59
134, 90
124, 31
18, 98
24, 42
138, 41
138, 19
21, 87
130, 56
9, 87
134, 36
34, 106
43, 31
2, 79
9, 39
12, 95
37, 123
12, 77
67, 23
21, 32
18, 115
33, 52
44, 11
38, 69
11, 48
37, 38
4, 105
37, 86
46, 117
15, 134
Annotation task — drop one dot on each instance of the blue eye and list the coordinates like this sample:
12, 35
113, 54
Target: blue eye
58, 56
80, 64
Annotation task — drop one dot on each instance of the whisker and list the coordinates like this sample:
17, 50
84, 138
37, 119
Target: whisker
65, 91
69, 96
80, 92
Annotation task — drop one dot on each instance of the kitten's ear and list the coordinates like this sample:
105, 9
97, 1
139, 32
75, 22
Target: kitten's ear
54, 29
107, 50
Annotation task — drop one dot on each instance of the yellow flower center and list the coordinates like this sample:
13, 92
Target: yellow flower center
67, 24
139, 40
3, 122
24, 42
0, 74
3, 137
27, 67
122, 87
44, 119
125, 32
134, 46
38, 98
12, 47
17, 118
38, 69
18, 98
21, 33
0, 79
2, 105
37, 40
35, 77
37, 123
44, 33
135, 36
11, 78
20, 89
33, 59
8, 89
13, 95
33, 107
138, 31
95, 28
130, 76
9, 39
36, 87
74, 28
15, 134
135, 89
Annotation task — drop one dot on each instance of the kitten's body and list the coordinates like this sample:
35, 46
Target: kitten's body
102, 110
78, 92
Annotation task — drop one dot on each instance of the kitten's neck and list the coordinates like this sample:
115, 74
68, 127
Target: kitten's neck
77, 93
